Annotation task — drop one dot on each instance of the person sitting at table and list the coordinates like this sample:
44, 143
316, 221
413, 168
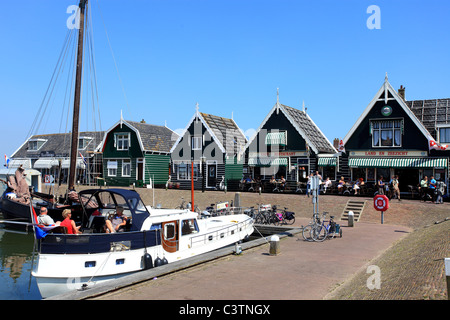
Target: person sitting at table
272, 180
326, 184
282, 182
341, 185
358, 184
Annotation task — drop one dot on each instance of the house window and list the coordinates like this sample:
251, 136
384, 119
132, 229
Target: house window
196, 143
184, 171
112, 168
444, 135
122, 141
126, 168
83, 142
36, 144
386, 133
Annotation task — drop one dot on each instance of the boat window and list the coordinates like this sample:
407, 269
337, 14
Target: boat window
189, 226
155, 226
90, 264
120, 261
137, 205
169, 231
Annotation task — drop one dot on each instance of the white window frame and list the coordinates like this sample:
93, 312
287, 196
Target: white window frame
197, 167
439, 127
112, 168
121, 138
379, 131
38, 142
126, 163
196, 143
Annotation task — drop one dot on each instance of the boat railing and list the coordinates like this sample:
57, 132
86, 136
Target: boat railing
221, 233
225, 211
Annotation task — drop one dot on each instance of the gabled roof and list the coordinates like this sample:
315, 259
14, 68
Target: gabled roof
225, 132
59, 144
151, 137
387, 93
304, 125
432, 113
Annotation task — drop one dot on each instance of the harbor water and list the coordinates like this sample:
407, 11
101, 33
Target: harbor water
16, 249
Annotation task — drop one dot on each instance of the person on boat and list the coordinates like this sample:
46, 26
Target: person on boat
116, 222
45, 219
69, 223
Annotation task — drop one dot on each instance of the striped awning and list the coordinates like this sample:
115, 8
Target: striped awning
327, 161
276, 138
45, 163
267, 162
397, 163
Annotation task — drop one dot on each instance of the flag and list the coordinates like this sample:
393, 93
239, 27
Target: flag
7, 160
341, 147
432, 144
84, 160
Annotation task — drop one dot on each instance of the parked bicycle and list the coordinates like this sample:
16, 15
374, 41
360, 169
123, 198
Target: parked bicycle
283, 216
318, 230
188, 205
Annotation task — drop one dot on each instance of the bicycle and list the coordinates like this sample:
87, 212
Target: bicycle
264, 215
322, 231
188, 205
283, 217
306, 230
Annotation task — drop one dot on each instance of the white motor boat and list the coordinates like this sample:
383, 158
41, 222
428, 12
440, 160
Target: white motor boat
152, 237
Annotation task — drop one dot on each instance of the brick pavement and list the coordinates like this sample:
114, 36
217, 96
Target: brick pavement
410, 268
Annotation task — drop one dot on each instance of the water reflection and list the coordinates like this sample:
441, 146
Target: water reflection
15, 266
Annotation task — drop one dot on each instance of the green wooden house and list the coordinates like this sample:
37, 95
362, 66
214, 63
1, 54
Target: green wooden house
137, 153
209, 148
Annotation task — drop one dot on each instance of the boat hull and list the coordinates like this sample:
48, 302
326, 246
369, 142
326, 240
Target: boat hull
60, 272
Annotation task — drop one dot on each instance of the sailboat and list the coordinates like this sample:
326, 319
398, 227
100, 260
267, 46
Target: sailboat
151, 236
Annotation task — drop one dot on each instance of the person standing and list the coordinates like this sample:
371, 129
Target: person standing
440, 192
380, 185
395, 186
432, 188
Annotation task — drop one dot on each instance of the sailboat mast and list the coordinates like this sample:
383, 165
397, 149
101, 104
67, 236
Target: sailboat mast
77, 99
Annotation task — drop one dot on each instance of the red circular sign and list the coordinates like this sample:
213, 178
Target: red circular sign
381, 202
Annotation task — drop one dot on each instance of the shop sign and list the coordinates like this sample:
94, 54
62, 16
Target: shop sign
388, 153
278, 154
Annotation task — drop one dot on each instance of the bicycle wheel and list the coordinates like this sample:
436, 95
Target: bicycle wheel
289, 221
306, 232
319, 233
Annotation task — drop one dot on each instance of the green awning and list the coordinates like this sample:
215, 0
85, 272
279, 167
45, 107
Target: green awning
276, 138
267, 162
397, 163
327, 161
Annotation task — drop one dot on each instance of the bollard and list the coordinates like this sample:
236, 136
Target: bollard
237, 202
274, 246
447, 273
350, 219
237, 249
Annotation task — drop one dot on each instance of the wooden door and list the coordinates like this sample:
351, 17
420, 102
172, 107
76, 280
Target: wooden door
170, 236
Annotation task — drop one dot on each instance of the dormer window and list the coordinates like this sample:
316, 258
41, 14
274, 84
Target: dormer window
122, 141
83, 142
36, 144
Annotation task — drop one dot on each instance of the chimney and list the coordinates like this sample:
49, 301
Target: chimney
336, 143
401, 92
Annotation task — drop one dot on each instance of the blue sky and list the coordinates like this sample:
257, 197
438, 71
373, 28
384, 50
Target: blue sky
230, 56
